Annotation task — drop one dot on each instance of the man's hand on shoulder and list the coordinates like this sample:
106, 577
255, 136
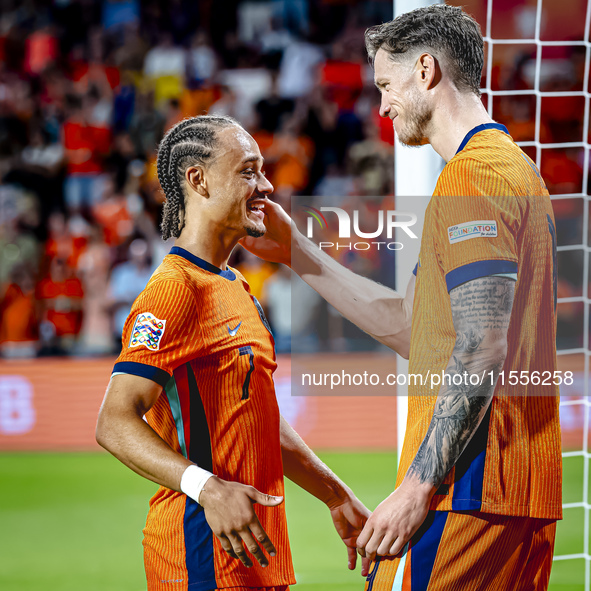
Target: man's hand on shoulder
230, 513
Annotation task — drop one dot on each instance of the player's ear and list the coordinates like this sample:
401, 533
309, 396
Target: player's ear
429, 70
195, 177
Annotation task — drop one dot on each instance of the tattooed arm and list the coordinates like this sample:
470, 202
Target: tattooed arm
481, 310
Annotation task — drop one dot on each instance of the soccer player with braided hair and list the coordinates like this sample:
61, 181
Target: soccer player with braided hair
197, 362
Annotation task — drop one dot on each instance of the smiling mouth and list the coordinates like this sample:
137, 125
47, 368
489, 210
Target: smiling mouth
256, 207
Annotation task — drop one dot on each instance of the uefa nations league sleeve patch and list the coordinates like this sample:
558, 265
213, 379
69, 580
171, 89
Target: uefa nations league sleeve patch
478, 229
147, 331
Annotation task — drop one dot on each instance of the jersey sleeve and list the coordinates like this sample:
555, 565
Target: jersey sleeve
476, 228
161, 332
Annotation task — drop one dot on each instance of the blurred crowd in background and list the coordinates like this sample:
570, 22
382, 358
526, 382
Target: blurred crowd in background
88, 88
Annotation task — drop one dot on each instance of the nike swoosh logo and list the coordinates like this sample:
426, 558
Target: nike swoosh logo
233, 331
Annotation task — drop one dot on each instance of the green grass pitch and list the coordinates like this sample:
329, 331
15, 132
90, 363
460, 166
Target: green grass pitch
74, 521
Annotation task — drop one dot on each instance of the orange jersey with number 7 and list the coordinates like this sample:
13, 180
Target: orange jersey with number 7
198, 332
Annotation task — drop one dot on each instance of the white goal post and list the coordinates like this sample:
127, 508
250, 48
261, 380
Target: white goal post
415, 174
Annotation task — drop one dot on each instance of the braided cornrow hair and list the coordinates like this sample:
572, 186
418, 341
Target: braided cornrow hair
190, 142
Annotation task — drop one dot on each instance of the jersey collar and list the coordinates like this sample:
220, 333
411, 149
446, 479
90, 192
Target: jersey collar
478, 129
181, 252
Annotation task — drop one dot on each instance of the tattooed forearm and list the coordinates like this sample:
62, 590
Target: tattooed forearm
481, 310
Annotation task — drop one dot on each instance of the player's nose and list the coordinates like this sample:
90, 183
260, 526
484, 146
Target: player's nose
264, 186
384, 105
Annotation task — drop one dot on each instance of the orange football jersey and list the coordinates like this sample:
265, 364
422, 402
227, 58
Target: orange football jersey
491, 214
198, 332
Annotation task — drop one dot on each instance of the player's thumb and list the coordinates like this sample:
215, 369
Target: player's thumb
263, 499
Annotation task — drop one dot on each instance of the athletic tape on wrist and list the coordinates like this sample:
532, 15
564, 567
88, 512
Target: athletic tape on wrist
193, 480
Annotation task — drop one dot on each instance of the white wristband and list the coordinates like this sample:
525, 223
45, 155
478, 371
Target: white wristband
193, 480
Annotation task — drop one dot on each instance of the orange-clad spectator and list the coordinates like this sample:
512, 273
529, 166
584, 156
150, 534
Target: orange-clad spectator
113, 214
84, 75
85, 143
290, 153
19, 331
60, 296
86, 146
93, 72
65, 241
41, 50
344, 81
264, 139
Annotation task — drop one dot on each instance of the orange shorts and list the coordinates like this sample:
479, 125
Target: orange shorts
470, 551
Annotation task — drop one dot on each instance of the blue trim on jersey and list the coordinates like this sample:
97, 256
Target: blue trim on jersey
478, 269
424, 550
198, 548
143, 370
181, 252
469, 471
478, 129
371, 577
414, 271
174, 402
262, 316
532, 166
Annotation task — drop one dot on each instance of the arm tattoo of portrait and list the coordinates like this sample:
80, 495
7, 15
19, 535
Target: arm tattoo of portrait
481, 310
